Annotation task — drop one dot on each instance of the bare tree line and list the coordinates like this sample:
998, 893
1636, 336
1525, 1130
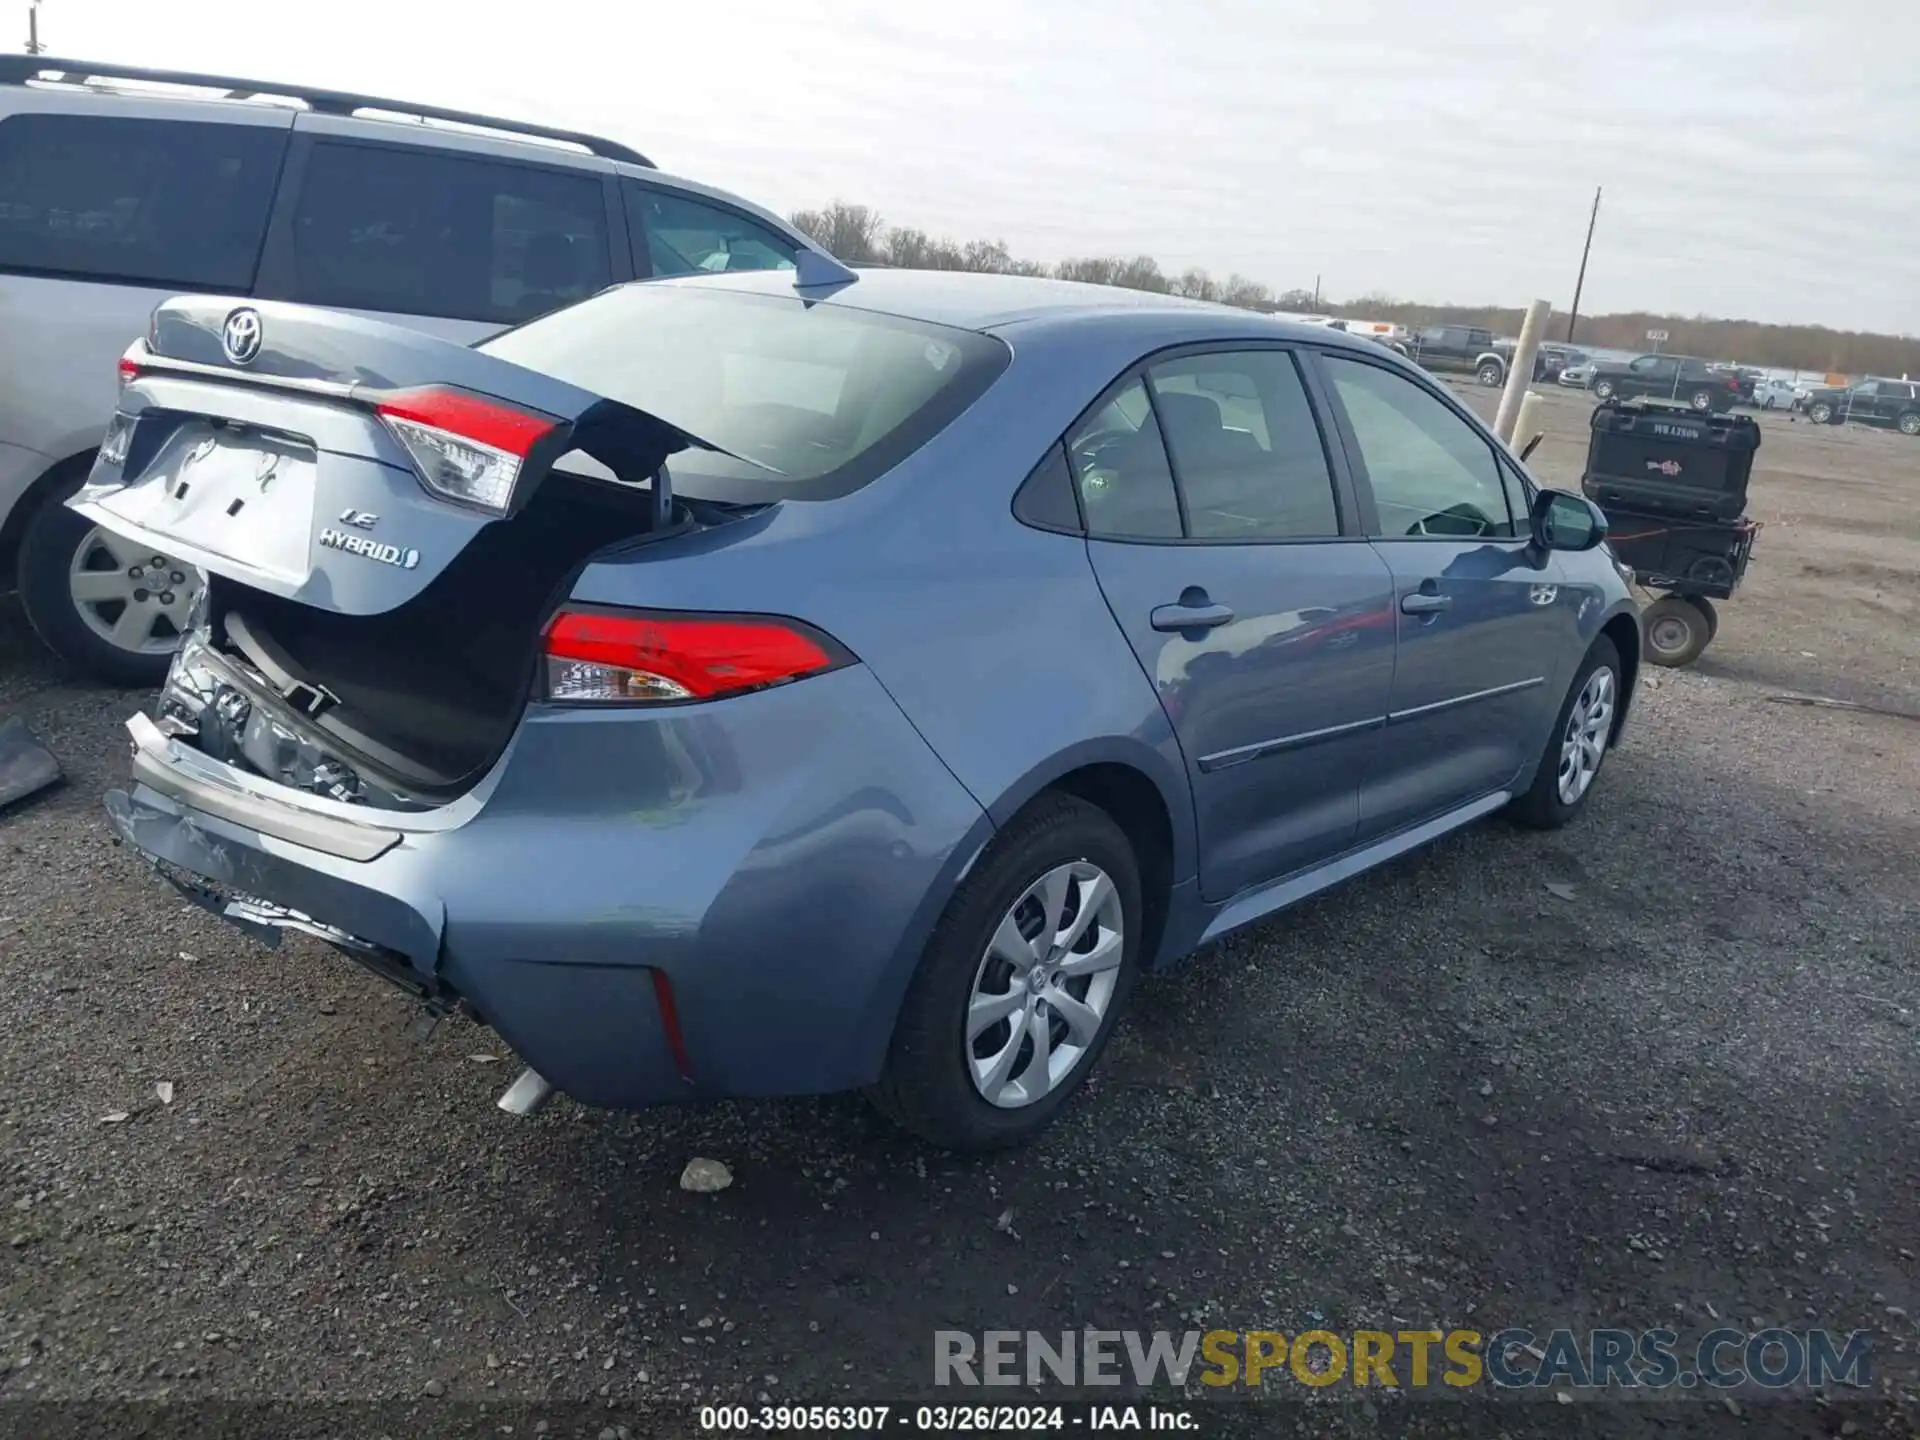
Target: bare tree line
860, 236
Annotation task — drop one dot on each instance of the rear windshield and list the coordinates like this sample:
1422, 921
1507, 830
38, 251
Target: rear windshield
823, 398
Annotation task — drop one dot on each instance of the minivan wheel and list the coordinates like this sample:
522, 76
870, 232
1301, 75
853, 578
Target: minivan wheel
1021, 984
1820, 412
1603, 389
1910, 423
1578, 744
111, 609
1701, 399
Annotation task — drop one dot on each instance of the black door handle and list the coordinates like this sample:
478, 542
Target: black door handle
1419, 603
1190, 617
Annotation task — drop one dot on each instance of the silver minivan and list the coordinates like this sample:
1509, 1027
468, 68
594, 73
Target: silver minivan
121, 187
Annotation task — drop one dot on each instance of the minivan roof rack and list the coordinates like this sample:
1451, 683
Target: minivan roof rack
46, 69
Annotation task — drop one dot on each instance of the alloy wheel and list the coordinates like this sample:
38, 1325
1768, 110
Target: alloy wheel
133, 598
1585, 742
1043, 988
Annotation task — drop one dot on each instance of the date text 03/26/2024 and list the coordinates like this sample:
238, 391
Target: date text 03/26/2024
945, 1419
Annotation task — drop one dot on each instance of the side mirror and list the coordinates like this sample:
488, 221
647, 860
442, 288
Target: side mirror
1567, 522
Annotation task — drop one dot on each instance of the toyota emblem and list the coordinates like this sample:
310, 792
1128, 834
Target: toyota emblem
240, 336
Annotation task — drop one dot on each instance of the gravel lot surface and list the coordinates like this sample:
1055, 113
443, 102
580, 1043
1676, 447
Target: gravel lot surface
1659, 1068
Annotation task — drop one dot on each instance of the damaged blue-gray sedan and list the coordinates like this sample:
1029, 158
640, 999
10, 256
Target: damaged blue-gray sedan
782, 683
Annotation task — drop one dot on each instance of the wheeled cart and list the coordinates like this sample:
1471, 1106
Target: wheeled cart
1688, 564
1673, 485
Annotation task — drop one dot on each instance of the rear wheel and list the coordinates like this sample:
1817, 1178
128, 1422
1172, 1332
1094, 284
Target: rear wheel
1910, 423
1603, 389
1820, 412
1578, 744
1021, 984
106, 606
1677, 630
1701, 399
1490, 374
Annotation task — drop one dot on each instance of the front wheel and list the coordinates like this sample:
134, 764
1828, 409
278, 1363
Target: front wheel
1701, 399
1910, 423
1603, 389
1578, 744
1021, 984
1490, 374
99, 602
1820, 412
1677, 630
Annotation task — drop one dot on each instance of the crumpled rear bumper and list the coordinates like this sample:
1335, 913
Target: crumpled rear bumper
650, 907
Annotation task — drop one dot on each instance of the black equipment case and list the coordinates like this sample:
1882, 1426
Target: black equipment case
1658, 458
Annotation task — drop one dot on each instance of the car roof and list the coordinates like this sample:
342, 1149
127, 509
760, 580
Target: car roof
969, 300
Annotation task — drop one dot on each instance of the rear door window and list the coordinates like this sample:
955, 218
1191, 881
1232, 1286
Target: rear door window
428, 232
679, 235
1246, 451
1120, 464
181, 204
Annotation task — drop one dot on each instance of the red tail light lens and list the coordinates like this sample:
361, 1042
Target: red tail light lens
466, 448
129, 368
635, 658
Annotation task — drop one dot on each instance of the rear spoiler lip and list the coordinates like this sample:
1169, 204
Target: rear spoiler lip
141, 354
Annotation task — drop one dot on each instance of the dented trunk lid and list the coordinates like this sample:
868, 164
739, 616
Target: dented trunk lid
248, 441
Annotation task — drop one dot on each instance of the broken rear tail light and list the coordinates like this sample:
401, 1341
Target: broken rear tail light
634, 657
467, 448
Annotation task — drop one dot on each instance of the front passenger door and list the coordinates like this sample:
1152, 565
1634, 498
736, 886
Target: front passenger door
1484, 627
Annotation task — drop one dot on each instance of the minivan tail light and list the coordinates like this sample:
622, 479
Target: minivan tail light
632, 657
467, 448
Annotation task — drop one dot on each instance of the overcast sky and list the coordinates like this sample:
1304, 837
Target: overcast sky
1760, 159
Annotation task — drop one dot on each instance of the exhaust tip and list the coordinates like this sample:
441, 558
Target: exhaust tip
528, 1095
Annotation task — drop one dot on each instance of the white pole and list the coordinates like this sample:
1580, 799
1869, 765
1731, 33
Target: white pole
1526, 423
1520, 369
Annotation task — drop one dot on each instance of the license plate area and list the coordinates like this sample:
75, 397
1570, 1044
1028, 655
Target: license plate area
238, 492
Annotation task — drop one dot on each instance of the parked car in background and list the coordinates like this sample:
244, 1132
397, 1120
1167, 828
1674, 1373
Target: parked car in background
1577, 376
1773, 393
619, 678
1463, 348
1554, 360
1694, 382
1888, 404
115, 194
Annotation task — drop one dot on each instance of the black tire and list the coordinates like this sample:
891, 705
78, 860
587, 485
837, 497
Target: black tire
1676, 631
1603, 389
926, 1088
1820, 412
1491, 374
1909, 423
47, 545
1541, 807
1707, 608
1701, 400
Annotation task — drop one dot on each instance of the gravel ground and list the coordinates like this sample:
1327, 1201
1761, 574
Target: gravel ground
1657, 1068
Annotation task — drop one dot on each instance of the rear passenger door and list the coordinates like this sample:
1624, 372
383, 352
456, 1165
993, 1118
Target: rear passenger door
1484, 628
459, 244
1226, 544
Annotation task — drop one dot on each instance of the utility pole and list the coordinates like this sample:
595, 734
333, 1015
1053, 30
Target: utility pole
1316, 293
34, 47
1573, 315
